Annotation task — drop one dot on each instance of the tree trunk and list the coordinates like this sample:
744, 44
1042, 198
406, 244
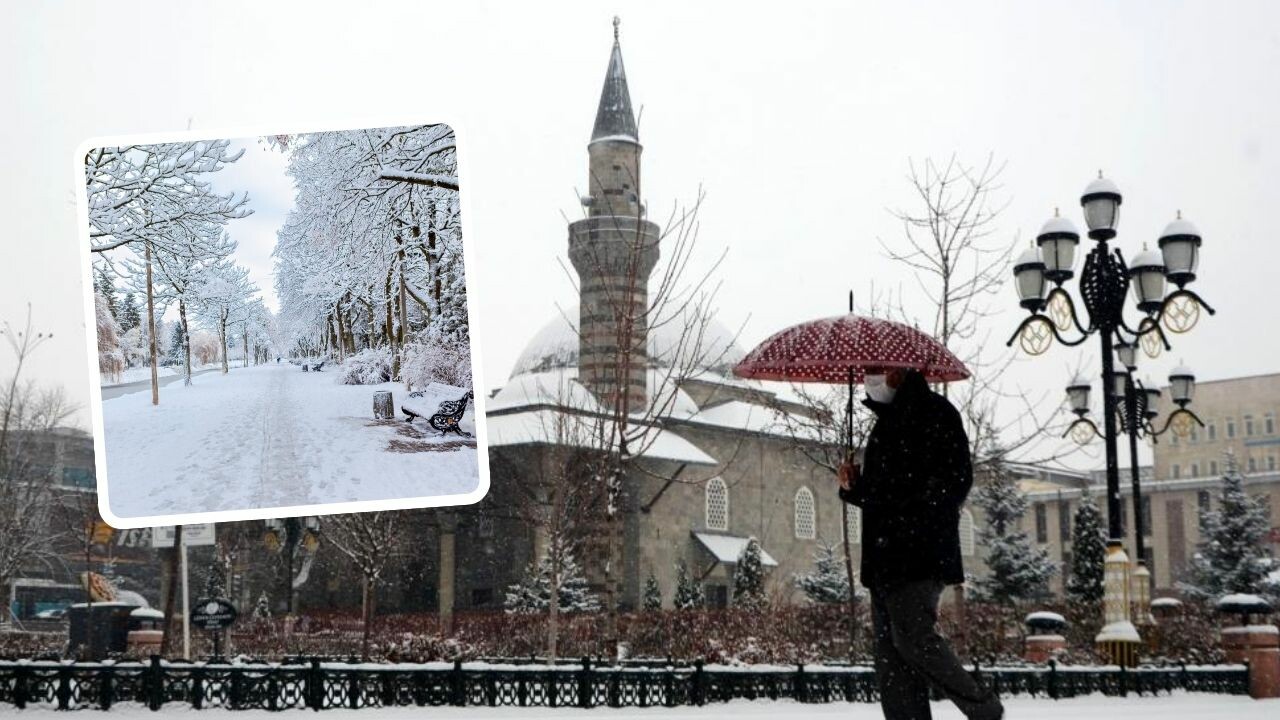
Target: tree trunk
170, 597
151, 329
553, 605
246, 344
222, 341
367, 616
186, 342
383, 405
404, 309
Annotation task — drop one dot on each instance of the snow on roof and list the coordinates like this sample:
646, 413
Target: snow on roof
558, 387
555, 345
146, 612
728, 548
555, 427
1166, 602
738, 415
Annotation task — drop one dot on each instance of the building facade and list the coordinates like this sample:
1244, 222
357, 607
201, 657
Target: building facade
1183, 481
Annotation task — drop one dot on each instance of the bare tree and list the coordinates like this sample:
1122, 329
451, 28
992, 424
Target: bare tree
952, 243
29, 416
371, 540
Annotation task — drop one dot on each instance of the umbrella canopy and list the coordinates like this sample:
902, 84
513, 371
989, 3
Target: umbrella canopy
842, 349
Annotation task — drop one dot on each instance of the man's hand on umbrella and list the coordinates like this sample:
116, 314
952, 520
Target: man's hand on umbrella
848, 475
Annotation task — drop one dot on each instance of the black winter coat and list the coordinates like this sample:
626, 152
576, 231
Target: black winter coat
915, 475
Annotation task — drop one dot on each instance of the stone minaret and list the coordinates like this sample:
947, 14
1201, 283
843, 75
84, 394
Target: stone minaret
614, 250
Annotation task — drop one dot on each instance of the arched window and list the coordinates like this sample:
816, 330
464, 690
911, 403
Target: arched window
853, 523
717, 504
806, 525
966, 533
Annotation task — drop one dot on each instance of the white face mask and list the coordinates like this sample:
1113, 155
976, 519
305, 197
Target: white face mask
878, 389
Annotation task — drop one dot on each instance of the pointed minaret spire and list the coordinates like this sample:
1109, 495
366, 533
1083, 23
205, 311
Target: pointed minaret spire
614, 117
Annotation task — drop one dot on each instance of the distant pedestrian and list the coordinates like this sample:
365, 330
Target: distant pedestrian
913, 479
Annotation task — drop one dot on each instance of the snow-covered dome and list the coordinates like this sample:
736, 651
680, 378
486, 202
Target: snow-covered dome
556, 345
1058, 225
1180, 227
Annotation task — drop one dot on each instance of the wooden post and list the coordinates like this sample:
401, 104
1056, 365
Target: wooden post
383, 405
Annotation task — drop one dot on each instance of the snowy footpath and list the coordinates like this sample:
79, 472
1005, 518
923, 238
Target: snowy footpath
272, 436
1170, 707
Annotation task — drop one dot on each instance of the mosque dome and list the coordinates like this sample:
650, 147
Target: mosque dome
555, 346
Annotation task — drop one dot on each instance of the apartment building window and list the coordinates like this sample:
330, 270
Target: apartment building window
1195, 469
1271, 463
1253, 464
1248, 426
1269, 424
1213, 468
1212, 430
1204, 501
1231, 428
1146, 516
1177, 471
1064, 521
1195, 434
1042, 523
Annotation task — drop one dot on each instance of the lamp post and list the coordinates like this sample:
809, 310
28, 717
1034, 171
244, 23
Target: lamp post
1105, 280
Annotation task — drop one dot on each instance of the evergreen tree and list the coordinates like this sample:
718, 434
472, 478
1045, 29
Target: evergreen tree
1232, 556
103, 283
1089, 554
1017, 570
533, 593
262, 608
748, 577
652, 594
176, 353
688, 592
828, 584
214, 581
129, 314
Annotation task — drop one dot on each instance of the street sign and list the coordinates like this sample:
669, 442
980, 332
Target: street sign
192, 535
213, 614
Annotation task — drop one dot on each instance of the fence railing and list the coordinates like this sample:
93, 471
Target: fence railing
323, 685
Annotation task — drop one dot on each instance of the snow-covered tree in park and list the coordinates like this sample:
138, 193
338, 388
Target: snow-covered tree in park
368, 261
146, 194
748, 577
104, 283
224, 298
828, 583
215, 581
177, 348
1088, 554
110, 356
652, 597
1232, 556
144, 200
128, 314
371, 540
1016, 569
533, 593
689, 593
29, 413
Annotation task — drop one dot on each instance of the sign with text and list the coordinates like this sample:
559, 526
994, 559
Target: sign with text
192, 535
213, 614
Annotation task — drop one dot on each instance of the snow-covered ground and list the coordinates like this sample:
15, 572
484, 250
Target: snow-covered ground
1171, 707
143, 374
272, 436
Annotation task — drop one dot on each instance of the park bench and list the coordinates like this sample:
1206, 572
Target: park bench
443, 415
313, 366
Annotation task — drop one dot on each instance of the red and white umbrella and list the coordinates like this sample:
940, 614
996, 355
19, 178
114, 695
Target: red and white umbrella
838, 349
843, 349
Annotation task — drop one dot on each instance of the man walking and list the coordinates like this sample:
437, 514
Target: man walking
910, 486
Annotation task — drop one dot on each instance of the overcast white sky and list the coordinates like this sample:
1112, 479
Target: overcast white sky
798, 119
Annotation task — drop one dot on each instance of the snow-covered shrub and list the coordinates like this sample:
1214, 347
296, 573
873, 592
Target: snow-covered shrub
829, 582
430, 359
370, 366
110, 358
204, 347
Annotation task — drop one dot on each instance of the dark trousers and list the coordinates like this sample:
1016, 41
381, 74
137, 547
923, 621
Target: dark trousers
911, 655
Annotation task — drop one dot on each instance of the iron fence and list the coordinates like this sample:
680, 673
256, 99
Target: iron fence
321, 685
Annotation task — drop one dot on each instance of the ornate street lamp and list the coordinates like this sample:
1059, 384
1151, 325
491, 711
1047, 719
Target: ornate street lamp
1105, 281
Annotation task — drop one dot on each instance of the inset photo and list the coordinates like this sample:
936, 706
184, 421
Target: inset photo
281, 323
